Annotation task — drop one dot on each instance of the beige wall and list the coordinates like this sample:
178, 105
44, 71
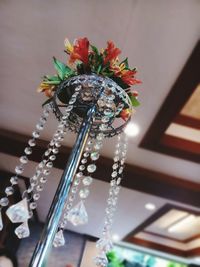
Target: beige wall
89, 254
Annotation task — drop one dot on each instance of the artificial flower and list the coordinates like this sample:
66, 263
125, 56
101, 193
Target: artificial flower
46, 88
125, 113
127, 77
111, 53
80, 51
68, 46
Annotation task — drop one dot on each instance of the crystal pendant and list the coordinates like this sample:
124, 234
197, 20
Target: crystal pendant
78, 215
59, 240
1, 222
19, 212
22, 231
101, 260
105, 244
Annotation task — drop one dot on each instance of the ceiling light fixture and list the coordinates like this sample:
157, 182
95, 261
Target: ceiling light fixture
115, 237
132, 129
182, 223
150, 206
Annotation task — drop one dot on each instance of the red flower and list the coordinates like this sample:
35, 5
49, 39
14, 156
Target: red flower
127, 77
111, 52
80, 51
125, 113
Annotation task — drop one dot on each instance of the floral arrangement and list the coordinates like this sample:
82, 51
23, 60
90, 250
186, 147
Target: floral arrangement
84, 58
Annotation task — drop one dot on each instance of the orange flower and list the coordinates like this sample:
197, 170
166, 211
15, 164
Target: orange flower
125, 113
127, 77
46, 88
111, 52
80, 51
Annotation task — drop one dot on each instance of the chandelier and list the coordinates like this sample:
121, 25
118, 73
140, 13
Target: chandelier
92, 98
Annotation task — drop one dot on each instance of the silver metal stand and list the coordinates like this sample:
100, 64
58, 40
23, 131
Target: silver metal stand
43, 248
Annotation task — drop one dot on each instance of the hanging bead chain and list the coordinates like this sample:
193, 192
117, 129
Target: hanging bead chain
38, 180
19, 169
104, 244
91, 153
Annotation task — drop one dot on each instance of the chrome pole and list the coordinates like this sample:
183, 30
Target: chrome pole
43, 248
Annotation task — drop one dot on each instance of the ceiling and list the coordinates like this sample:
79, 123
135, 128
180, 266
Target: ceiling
157, 36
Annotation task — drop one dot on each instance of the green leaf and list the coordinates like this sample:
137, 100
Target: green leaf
125, 61
47, 101
134, 101
95, 49
52, 82
63, 70
51, 78
60, 67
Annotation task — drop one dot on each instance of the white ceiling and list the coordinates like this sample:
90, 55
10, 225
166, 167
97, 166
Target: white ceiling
157, 36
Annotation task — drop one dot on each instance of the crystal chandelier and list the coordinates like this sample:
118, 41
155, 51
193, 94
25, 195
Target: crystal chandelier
95, 106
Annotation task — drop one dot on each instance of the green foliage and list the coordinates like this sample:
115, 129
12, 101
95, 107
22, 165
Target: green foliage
113, 260
134, 101
63, 70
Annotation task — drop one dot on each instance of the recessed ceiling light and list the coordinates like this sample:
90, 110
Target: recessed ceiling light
150, 206
131, 129
115, 237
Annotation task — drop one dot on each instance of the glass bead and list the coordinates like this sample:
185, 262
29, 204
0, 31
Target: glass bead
105, 119
49, 164
114, 174
86, 154
28, 150
46, 172
9, 190
19, 169
43, 180
94, 155
39, 188
116, 158
71, 198
30, 214
118, 180
120, 170
43, 119
87, 180
55, 150
36, 134
30, 189
83, 161
33, 182
91, 168
36, 196
82, 167
23, 159
52, 157
74, 189
115, 166
57, 144
39, 126
77, 181
47, 152
84, 193
32, 142
69, 108
33, 205
103, 127
14, 180
108, 112
79, 175
112, 182
4, 201
98, 146
87, 148
100, 136
46, 113
42, 164
52, 143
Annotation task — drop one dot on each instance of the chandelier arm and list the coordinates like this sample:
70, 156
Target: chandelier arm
43, 248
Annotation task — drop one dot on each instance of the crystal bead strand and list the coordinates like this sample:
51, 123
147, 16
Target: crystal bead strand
104, 244
19, 169
38, 180
16, 210
59, 237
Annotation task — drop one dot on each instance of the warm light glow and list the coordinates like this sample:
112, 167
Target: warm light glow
115, 237
181, 224
132, 129
150, 206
